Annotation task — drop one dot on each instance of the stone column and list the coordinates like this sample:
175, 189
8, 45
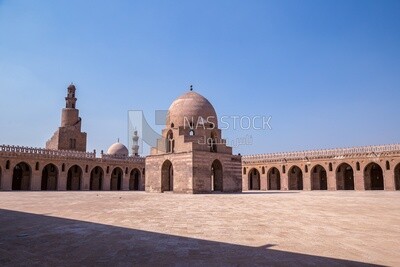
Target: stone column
263, 181
359, 180
388, 180
307, 181
85, 181
125, 182
62, 181
107, 181
245, 181
331, 176
142, 183
284, 181
36, 180
6, 179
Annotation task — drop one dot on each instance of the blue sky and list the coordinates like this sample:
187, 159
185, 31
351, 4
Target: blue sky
328, 72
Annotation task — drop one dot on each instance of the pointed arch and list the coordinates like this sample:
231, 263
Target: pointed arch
116, 179
170, 142
344, 177
295, 178
134, 180
22, 174
167, 176
74, 178
274, 179
254, 179
96, 178
373, 177
49, 177
319, 179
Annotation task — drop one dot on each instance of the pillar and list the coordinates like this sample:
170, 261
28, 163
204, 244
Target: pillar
36, 180
388, 180
107, 181
263, 181
245, 182
85, 186
331, 176
359, 180
62, 181
125, 182
307, 181
6, 179
284, 181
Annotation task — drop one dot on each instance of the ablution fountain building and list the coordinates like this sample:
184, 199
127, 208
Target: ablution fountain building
189, 159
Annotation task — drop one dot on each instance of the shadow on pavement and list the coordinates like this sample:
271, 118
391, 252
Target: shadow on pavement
42, 240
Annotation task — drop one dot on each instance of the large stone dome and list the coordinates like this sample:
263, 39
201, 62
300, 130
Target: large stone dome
191, 106
118, 150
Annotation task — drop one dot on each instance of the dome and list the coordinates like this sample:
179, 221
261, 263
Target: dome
118, 149
191, 106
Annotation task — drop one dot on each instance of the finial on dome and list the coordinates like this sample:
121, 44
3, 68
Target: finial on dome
191, 87
118, 140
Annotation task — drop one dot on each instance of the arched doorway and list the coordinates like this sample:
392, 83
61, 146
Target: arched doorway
134, 180
74, 178
397, 177
254, 179
344, 177
216, 176
373, 177
274, 179
96, 178
295, 177
167, 176
116, 179
319, 178
21, 177
49, 177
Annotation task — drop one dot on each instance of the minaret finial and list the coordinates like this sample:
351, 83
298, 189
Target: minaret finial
191, 87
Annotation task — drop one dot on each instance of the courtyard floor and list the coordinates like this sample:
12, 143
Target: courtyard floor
254, 228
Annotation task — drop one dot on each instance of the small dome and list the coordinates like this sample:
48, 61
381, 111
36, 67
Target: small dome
118, 149
191, 106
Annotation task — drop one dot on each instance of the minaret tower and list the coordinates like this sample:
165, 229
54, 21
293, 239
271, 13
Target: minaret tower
70, 115
69, 136
135, 144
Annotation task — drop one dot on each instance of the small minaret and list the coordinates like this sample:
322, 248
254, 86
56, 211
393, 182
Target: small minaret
69, 136
70, 115
135, 144
71, 99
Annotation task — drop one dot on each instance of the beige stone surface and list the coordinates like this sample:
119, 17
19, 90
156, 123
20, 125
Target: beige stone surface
323, 228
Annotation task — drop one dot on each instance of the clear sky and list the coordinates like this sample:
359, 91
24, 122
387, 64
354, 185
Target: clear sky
328, 72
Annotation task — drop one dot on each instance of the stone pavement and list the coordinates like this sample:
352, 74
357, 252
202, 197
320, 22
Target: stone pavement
344, 228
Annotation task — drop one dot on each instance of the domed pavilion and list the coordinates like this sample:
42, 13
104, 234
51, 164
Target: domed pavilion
191, 156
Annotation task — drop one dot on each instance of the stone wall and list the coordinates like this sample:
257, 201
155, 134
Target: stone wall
359, 159
37, 160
